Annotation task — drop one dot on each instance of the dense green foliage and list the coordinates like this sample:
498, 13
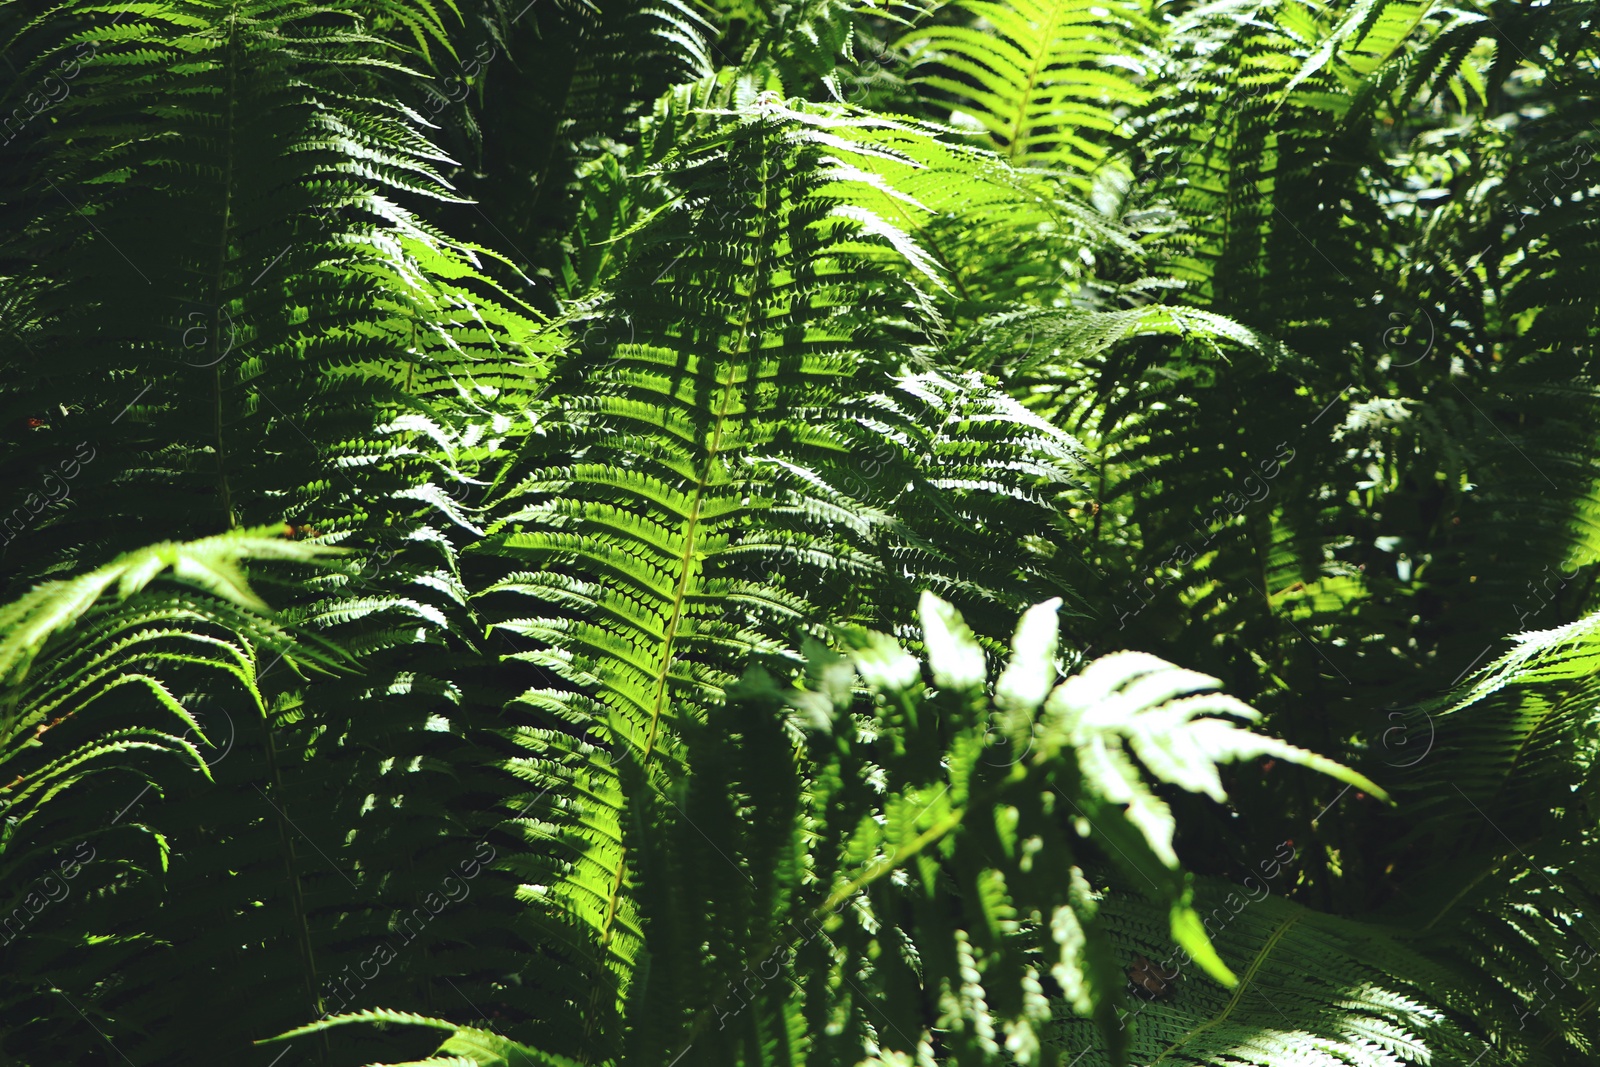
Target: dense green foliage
649, 423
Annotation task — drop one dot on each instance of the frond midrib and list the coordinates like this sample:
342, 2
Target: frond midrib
687, 559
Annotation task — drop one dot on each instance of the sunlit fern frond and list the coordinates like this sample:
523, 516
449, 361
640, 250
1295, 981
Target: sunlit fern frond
1314, 990
905, 862
1045, 80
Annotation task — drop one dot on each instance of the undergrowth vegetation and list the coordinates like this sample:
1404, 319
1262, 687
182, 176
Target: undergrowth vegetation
727, 532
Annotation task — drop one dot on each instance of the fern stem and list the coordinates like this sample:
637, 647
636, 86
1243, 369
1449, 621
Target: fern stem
899, 856
292, 872
542, 175
229, 520
224, 490
1100, 490
687, 563
1238, 993
1047, 35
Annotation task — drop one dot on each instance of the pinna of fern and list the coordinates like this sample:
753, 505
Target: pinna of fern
1046, 80
68, 646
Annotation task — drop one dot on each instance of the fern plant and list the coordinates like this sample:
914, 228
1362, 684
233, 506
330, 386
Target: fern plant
1253, 331
1378, 464
115, 666
891, 879
293, 343
280, 298
717, 483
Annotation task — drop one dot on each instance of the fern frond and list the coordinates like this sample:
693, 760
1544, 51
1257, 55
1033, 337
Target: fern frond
913, 851
1313, 989
97, 668
1044, 79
